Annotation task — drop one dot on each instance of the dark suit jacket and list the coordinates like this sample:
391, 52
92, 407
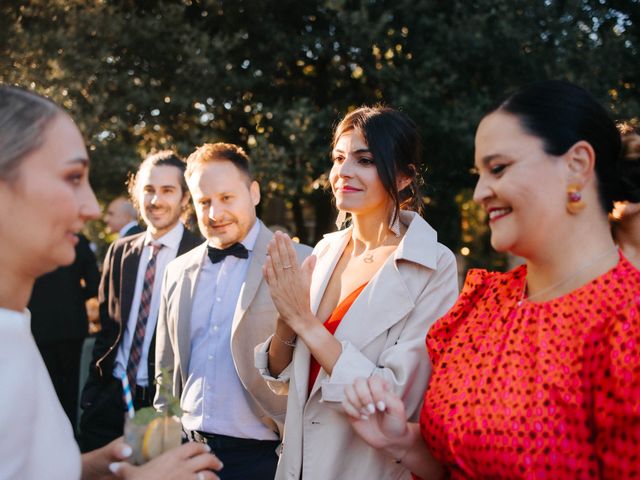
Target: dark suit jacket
57, 303
115, 297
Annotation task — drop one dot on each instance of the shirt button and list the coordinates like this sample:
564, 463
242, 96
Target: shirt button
210, 357
215, 328
207, 416
218, 299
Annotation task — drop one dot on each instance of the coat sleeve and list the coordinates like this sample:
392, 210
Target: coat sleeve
88, 268
278, 385
109, 328
405, 363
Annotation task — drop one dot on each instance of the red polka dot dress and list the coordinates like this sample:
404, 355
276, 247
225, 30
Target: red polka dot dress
537, 390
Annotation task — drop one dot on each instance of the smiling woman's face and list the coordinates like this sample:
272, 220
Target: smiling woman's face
47, 202
520, 186
354, 177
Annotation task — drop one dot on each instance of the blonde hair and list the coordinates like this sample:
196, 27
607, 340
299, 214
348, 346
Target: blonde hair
24, 117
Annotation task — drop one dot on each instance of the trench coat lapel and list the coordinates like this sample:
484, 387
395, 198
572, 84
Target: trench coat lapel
327, 259
387, 293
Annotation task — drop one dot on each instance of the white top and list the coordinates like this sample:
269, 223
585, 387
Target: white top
213, 396
37, 439
170, 242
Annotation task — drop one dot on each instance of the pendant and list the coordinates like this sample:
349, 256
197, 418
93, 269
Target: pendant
368, 258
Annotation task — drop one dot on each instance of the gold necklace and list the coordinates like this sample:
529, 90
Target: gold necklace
528, 298
367, 257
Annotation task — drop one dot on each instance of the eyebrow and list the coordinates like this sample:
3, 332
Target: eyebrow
83, 161
360, 150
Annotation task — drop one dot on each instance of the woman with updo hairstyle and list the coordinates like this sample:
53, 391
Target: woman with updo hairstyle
45, 200
361, 305
535, 371
626, 215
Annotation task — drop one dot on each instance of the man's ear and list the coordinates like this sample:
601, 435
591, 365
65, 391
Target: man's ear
254, 191
185, 199
581, 162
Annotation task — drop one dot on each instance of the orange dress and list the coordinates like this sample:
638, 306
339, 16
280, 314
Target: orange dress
537, 390
331, 324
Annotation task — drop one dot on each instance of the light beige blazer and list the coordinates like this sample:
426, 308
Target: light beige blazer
383, 333
254, 319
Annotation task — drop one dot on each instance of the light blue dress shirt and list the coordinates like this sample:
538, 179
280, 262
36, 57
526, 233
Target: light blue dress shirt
214, 399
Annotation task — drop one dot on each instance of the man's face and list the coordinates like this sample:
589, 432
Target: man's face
225, 200
160, 197
117, 215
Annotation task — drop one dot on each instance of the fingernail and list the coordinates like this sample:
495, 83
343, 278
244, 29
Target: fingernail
114, 467
126, 451
207, 447
381, 406
364, 417
371, 408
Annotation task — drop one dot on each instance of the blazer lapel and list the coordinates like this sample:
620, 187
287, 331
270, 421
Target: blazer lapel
130, 262
187, 287
254, 276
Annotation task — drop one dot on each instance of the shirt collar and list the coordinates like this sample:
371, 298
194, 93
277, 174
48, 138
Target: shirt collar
126, 228
170, 239
249, 241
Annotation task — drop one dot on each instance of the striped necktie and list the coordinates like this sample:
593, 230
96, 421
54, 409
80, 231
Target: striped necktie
143, 314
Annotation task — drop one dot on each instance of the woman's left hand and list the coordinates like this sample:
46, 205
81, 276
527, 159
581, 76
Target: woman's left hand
289, 284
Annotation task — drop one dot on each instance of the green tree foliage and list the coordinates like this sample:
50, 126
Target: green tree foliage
275, 76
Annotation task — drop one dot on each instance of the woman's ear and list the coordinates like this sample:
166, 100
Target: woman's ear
581, 162
402, 182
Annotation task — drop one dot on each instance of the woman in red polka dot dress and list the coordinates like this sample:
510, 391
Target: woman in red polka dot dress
536, 372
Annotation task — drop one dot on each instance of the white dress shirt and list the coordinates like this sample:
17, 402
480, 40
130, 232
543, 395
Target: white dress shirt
170, 242
37, 439
214, 399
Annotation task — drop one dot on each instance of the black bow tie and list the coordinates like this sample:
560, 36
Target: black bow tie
217, 255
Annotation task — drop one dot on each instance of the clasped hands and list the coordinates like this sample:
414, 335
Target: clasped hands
288, 283
377, 415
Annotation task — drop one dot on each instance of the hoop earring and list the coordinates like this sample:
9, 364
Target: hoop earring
394, 222
575, 204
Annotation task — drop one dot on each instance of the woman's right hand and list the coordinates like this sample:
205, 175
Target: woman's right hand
191, 461
377, 414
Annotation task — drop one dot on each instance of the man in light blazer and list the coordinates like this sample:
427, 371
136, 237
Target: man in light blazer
215, 308
123, 345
